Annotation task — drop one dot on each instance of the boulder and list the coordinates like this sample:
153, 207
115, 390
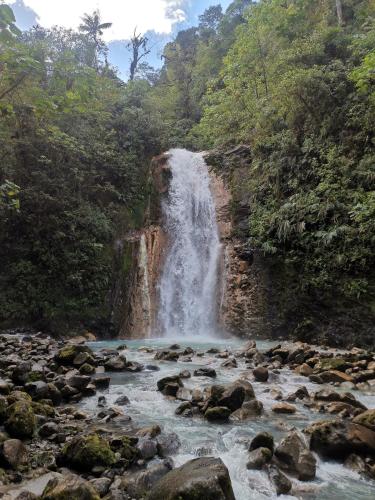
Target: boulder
85, 452
67, 354
205, 372
258, 458
283, 408
148, 448
262, 440
260, 374
327, 364
305, 370
332, 376
367, 418
102, 382
337, 439
167, 355
13, 453
281, 483
138, 484
233, 396
122, 400
202, 478
162, 383
249, 391
115, 364
294, 457
168, 444
248, 410
101, 485
69, 487
21, 420
217, 414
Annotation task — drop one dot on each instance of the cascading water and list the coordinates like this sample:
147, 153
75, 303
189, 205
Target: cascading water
189, 282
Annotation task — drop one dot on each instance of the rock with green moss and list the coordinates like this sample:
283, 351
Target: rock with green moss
85, 452
20, 420
43, 409
127, 450
218, 414
18, 396
67, 354
326, 364
69, 488
367, 418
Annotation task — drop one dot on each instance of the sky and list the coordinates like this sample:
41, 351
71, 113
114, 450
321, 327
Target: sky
160, 20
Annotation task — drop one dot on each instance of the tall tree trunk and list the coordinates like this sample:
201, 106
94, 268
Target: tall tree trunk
339, 12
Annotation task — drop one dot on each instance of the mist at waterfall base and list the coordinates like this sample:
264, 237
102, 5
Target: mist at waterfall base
189, 286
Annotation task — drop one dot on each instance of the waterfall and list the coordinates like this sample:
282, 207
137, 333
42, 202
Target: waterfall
189, 281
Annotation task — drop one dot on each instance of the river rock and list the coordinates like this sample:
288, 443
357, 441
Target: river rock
168, 443
248, 410
122, 400
258, 458
13, 453
332, 376
21, 420
85, 452
102, 382
138, 484
148, 448
262, 440
281, 483
201, 478
205, 372
284, 408
167, 355
175, 379
366, 418
338, 439
260, 374
217, 414
69, 487
233, 396
101, 485
68, 354
115, 364
249, 391
48, 429
294, 457
305, 370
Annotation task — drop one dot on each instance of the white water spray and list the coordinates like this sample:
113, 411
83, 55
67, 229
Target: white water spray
189, 282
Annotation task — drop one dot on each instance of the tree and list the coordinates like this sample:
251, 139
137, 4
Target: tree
138, 44
8, 28
94, 28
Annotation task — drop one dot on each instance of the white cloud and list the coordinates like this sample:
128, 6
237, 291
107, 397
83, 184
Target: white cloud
158, 15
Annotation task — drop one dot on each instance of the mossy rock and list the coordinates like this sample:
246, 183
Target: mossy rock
86, 369
128, 451
18, 396
367, 419
85, 452
326, 364
21, 420
35, 377
43, 409
67, 354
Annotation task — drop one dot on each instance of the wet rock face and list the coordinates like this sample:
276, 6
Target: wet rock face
200, 478
338, 439
294, 457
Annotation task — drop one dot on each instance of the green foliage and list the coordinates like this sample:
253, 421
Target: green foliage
300, 90
75, 145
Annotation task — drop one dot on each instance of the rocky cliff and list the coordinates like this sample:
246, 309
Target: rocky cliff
139, 261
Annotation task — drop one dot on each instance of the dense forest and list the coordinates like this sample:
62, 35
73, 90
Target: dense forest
293, 79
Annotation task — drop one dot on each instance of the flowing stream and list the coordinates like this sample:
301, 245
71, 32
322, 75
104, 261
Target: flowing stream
227, 441
189, 282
